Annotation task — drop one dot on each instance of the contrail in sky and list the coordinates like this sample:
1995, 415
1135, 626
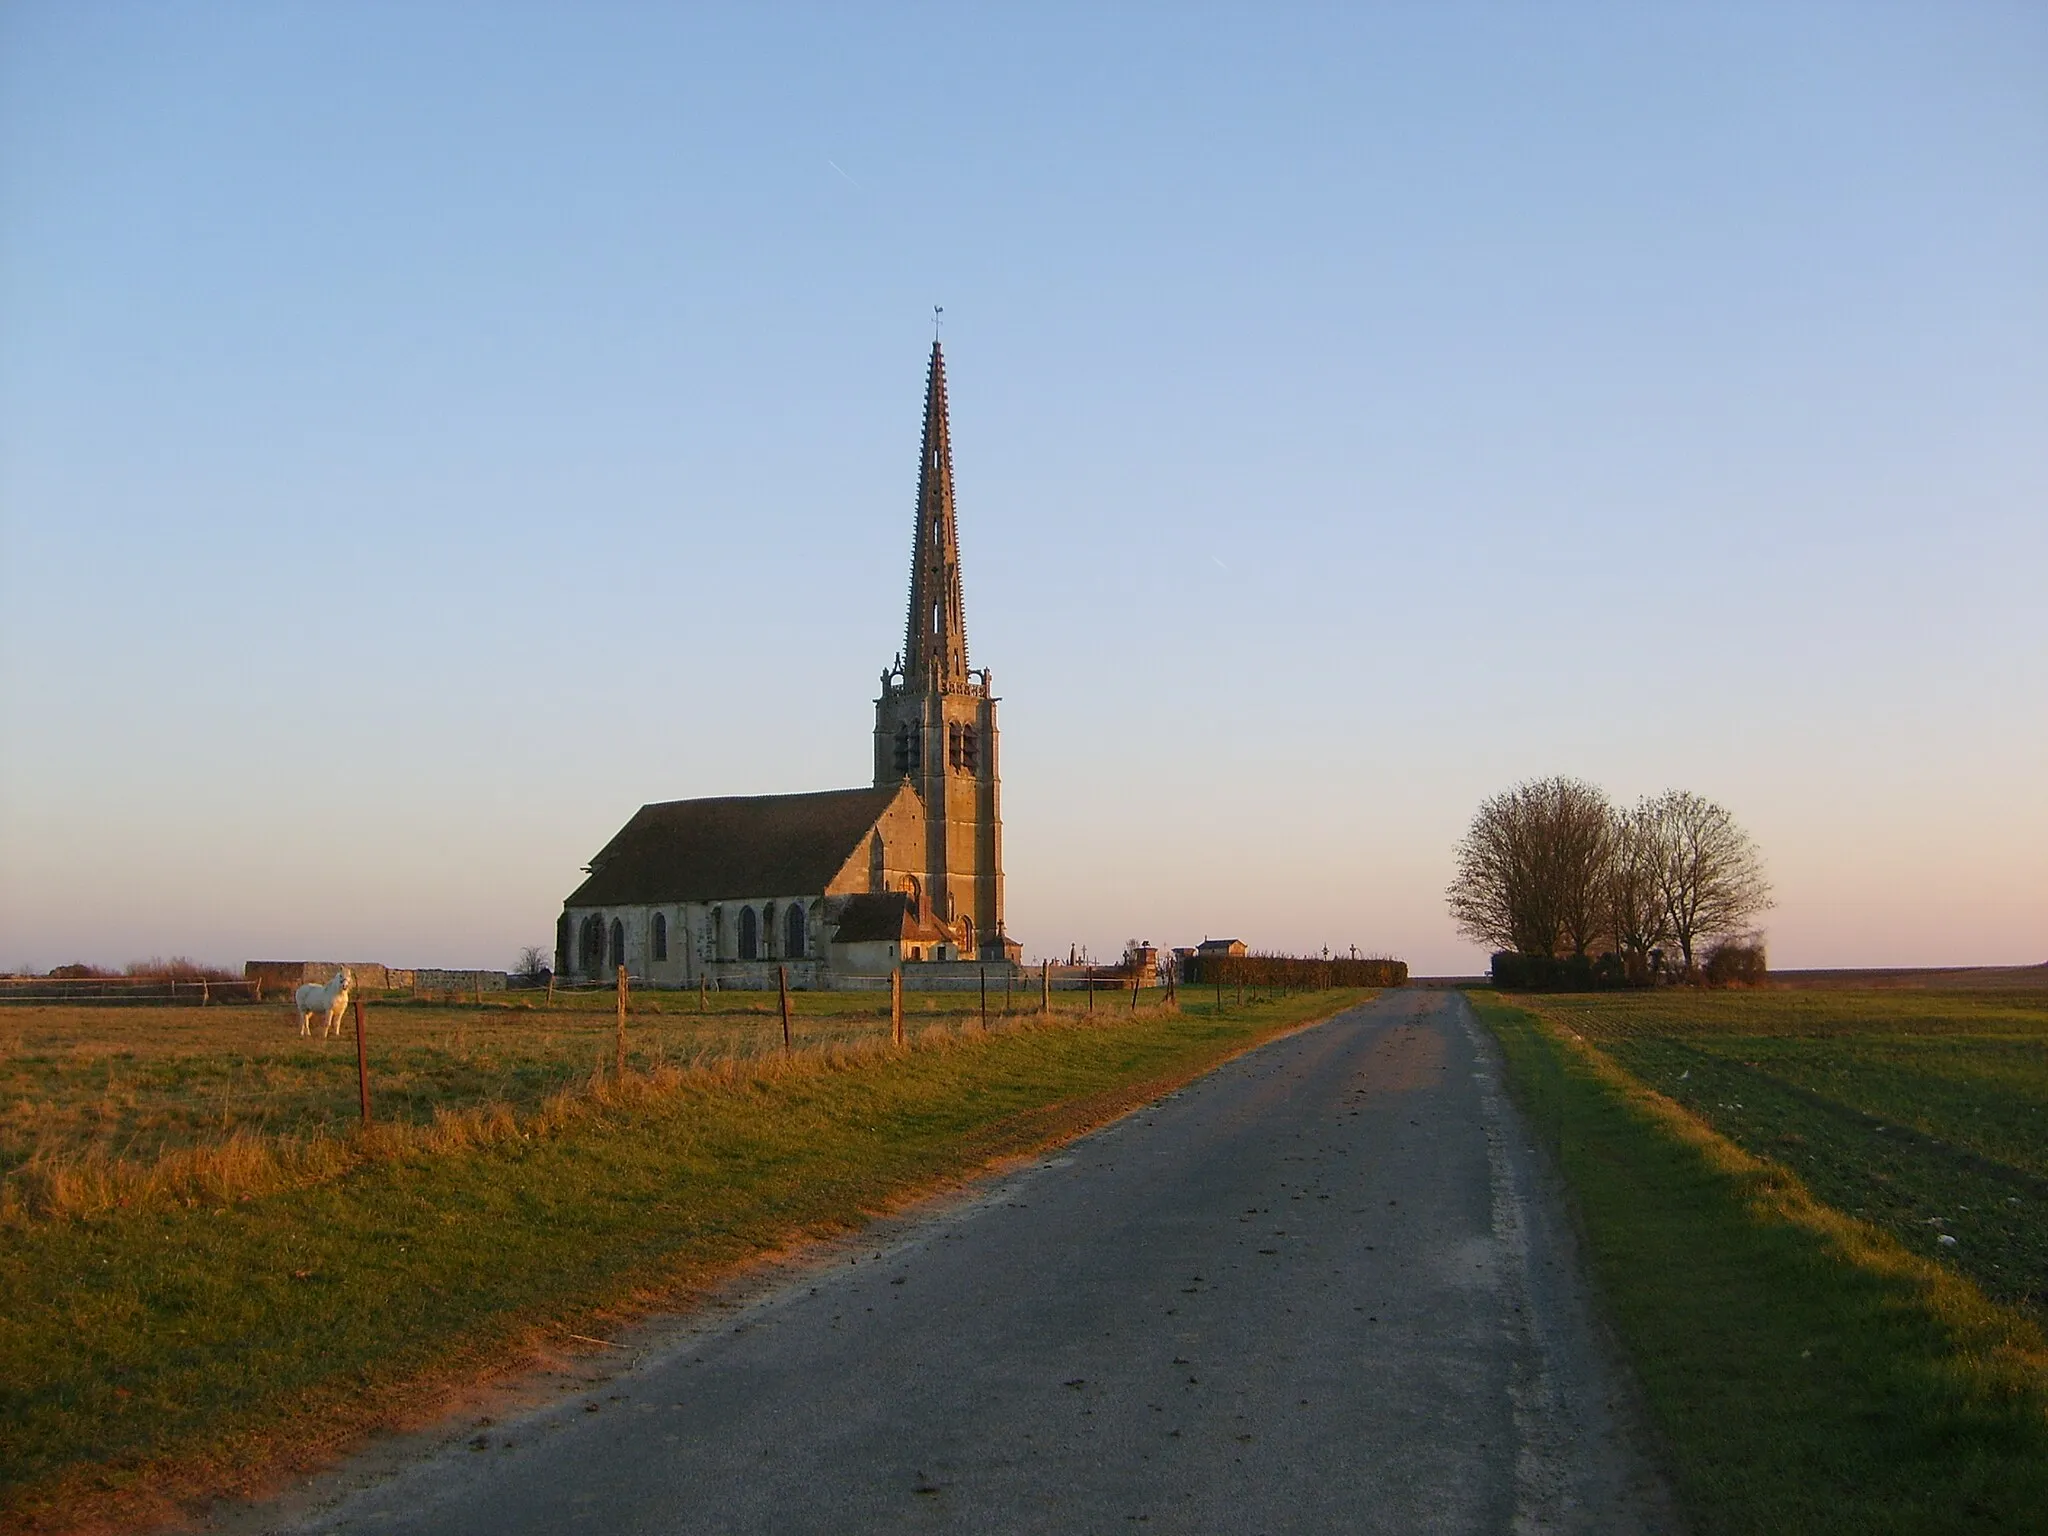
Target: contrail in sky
849, 180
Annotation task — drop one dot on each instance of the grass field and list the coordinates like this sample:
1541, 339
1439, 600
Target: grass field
157, 1351
1763, 1179
1924, 1113
100, 1105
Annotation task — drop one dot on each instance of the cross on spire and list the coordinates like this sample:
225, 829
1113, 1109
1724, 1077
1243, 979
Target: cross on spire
935, 640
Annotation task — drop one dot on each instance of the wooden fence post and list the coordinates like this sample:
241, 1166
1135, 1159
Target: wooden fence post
1091, 989
1134, 991
205, 992
1009, 976
362, 1062
621, 1052
551, 989
703, 994
782, 982
984, 997
896, 1006
1045, 987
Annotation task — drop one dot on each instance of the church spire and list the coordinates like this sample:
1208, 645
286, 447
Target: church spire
935, 641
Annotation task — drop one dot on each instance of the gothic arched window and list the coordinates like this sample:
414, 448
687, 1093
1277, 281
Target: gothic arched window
750, 934
590, 946
618, 944
795, 932
877, 864
660, 936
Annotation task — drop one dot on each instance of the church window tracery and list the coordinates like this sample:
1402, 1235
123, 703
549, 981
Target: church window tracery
750, 934
660, 936
796, 932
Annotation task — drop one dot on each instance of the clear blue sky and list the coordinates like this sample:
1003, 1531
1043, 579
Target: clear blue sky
428, 431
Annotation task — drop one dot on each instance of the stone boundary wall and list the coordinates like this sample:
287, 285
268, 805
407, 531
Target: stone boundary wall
941, 976
281, 977
816, 976
466, 983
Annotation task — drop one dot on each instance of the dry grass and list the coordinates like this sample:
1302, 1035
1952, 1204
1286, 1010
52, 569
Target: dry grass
104, 1108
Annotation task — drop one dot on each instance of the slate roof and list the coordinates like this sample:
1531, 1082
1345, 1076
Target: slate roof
735, 847
881, 915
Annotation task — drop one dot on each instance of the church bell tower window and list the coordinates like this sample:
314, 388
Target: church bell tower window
909, 749
963, 750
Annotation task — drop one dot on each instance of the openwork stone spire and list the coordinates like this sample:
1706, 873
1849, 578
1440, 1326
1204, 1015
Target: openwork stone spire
935, 642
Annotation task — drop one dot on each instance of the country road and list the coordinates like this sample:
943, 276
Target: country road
1326, 1288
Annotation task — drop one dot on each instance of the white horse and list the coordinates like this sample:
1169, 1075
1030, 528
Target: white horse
330, 1000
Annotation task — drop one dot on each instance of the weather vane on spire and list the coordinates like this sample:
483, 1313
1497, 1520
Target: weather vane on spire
938, 310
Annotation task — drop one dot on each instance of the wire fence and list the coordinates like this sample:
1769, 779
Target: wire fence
156, 991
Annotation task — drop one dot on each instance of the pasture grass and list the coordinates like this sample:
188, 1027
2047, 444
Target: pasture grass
159, 1352
100, 1105
1814, 1359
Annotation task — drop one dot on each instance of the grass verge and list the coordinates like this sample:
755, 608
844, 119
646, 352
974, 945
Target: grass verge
1808, 1371
154, 1356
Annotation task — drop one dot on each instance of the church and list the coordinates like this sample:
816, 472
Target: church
844, 885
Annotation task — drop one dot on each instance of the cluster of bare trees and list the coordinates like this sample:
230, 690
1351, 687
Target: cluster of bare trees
1551, 868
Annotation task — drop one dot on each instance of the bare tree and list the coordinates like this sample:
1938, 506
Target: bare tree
533, 965
1580, 839
1636, 918
1531, 868
1709, 874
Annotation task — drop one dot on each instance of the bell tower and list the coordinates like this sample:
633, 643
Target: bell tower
935, 723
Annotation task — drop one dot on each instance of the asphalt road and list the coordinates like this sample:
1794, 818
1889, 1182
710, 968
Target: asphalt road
1326, 1288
